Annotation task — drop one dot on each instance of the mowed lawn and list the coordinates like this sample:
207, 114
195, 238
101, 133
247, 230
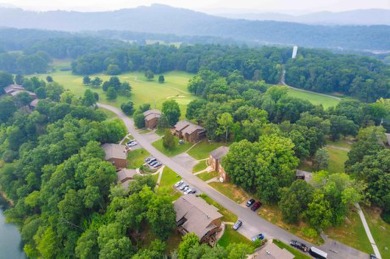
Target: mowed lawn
143, 91
314, 98
337, 159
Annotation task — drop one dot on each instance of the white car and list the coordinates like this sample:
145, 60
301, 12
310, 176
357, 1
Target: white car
178, 184
188, 191
132, 143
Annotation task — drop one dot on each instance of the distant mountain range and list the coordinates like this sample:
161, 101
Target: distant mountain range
355, 17
168, 20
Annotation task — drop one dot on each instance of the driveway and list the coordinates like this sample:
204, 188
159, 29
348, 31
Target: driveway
185, 160
151, 136
252, 222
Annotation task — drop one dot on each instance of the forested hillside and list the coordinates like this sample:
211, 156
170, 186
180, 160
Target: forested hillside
168, 20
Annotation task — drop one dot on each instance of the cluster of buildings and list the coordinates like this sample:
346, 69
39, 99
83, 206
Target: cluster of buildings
14, 90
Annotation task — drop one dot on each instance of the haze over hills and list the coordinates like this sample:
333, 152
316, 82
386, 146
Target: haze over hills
355, 17
168, 20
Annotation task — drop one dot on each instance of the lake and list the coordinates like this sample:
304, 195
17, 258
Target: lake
10, 241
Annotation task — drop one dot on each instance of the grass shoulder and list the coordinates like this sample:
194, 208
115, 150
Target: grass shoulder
232, 236
231, 191
136, 158
205, 176
178, 149
202, 165
203, 149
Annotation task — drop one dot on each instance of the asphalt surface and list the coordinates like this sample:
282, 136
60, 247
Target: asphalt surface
252, 223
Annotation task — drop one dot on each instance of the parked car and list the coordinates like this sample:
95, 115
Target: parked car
179, 183
250, 202
151, 161
188, 191
157, 165
237, 225
256, 206
132, 144
299, 245
183, 186
372, 256
193, 191
152, 164
258, 237
186, 188
148, 159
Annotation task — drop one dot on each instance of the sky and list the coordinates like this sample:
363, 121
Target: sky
211, 6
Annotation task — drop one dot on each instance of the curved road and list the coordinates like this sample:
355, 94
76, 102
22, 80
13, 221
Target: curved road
253, 224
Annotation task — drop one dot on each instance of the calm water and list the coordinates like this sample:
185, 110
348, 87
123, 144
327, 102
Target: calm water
10, 246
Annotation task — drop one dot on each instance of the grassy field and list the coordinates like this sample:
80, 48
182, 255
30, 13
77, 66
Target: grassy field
207, 176
231, 191
273, 214
351, 233
143, 91
232, 236
314, 98
200, 166
337, 158
202, 149
380, 230
168, 179
177, 150
228, 216
135, 158
295, 252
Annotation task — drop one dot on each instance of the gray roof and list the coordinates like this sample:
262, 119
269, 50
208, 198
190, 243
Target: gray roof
388, 138
13, 88
151, 114
114, 151
272, 251
219, 152
126, 174
198, 214
180, 125
192, 128
34, 103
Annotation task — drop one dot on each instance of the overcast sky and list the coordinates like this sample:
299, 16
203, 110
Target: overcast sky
204, 5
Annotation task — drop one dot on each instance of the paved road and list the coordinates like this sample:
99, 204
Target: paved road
253, 224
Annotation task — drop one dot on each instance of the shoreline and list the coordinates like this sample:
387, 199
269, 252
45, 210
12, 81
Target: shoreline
6, 199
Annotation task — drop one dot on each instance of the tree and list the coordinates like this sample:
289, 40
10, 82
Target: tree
89, 98
96, 82
113, 69
149, 74
225, 122
168, 140
6, 79
161, 79
171, 110
111, 94
162, 123
86, 80
144, 107
321, 159
319, 213
340, 125
7, 108
161, 216
49, 79
189, 241
374, 170
19, 79
139, 119
128, 108
238, 250
294, 200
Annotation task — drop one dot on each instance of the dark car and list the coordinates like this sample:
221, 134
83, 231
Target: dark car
372, 256
250, 202
237, 225
299, 245
258, 236
256, 206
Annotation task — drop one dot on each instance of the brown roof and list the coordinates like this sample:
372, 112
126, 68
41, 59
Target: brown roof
13, 88
219, 152
151, 114
180, 125
272, 251
198, 214
114, 151
192, 128
126, 174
